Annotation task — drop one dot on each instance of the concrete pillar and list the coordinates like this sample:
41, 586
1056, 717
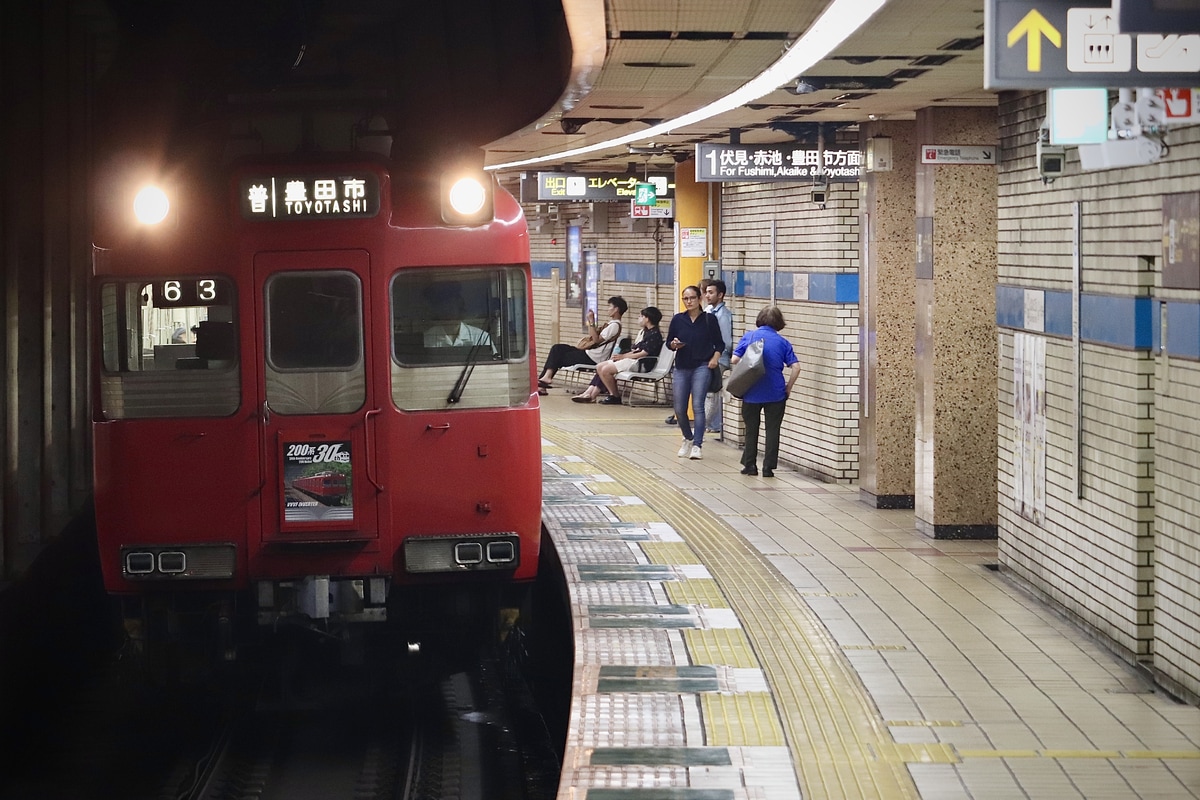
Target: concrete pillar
888, 322
955, 477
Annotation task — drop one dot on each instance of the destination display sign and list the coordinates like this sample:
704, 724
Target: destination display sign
775, 163
292, 197
596, 187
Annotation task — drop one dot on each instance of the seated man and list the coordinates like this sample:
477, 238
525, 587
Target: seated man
597, 346
446, 310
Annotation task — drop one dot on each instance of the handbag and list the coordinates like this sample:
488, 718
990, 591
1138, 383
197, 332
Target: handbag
748, 371
588, 342
714, 379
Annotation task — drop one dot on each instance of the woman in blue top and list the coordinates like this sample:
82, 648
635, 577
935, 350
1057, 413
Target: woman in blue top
769, 396
695, 336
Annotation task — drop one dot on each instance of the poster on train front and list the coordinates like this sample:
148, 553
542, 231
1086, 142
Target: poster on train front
317, 482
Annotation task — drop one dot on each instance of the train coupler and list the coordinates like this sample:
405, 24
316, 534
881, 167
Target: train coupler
323, 598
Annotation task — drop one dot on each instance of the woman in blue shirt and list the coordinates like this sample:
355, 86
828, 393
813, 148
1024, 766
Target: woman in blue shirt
695, 336
769, 396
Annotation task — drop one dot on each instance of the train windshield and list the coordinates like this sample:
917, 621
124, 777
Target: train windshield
460, 337
458, 316
168, 348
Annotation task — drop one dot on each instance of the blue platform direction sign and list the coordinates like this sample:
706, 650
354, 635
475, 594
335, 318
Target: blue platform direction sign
1037, 44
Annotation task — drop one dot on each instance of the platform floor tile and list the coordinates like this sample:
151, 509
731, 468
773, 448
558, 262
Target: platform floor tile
851, 656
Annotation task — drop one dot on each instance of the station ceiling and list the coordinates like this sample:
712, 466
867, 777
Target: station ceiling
663, 58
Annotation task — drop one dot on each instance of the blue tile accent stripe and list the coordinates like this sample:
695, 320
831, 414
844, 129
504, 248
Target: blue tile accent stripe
1058, 313
541, 269
633, 273
823, 287
846, 288
1183, 330
1129, 322
1117, 321
1010, 307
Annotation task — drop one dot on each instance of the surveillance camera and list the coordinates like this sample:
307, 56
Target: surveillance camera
1051, 161
570, 125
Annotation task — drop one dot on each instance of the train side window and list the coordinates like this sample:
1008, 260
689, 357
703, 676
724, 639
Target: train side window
159, 348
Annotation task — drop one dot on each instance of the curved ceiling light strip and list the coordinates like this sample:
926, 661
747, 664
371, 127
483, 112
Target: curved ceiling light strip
840, 20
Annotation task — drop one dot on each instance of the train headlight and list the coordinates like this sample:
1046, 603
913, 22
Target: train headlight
150, 205
466, 198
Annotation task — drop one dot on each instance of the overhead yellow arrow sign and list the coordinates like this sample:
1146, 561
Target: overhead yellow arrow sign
1034, 26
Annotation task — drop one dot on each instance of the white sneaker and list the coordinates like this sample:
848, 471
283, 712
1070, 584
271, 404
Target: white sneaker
696, 454
685, 448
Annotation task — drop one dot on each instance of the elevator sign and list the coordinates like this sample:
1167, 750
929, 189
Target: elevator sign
1036, 44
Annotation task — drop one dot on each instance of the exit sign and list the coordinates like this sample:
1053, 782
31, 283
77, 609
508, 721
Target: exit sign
646, 195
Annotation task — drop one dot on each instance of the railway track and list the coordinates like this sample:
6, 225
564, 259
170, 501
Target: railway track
307, 731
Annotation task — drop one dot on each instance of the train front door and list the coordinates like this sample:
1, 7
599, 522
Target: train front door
316, 403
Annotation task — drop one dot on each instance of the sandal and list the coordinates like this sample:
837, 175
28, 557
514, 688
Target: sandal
543, 384
543, 392
579, 398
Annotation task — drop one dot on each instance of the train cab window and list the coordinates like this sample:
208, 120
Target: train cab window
168, 347
441, 316
471, 324
314, 342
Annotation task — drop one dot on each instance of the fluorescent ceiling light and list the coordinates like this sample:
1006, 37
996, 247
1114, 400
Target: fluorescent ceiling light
840, 20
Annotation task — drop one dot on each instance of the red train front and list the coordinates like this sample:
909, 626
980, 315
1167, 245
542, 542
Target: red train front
313, 399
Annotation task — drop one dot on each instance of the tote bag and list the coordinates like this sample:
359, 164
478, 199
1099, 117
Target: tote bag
748, 371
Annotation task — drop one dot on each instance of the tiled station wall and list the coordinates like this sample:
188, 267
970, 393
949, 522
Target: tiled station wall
1118, 546
637, 265
774, 237
815, 276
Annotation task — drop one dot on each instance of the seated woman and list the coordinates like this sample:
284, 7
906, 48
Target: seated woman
597, 346
648, 345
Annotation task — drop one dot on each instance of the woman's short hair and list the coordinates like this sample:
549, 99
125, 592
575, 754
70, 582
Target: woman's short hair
653, 314
771, 315
619, 302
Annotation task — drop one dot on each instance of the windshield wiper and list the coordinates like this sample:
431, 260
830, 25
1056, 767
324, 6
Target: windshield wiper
460, 385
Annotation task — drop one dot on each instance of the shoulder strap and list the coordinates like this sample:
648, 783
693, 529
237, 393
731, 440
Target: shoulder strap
613, 338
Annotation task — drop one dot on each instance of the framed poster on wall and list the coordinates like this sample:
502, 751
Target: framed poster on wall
574, 271
591, 283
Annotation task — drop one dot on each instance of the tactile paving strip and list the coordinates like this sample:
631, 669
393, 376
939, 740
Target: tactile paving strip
840, 746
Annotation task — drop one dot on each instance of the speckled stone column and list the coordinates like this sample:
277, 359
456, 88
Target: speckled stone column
888, 322
956, 331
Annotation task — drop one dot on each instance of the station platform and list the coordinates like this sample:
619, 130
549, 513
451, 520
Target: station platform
750, 638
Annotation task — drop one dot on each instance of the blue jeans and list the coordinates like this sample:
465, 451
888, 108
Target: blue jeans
691, 383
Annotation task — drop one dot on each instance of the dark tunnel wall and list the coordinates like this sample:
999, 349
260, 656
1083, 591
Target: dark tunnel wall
44, 60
